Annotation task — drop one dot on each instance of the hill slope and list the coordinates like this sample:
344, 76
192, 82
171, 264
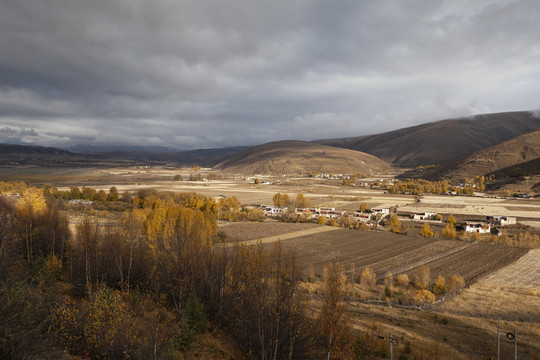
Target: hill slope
523, 149
443, 141
293, 157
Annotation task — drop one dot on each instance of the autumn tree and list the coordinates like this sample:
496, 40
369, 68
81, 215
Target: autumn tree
113, 194
395, 224
302, 201
30, 207
424, 296
403, 280
101, 196
451, 219
333, 318
368, 277
426, 231
456, 283
422, 276
281, 200
439, 288
449, 231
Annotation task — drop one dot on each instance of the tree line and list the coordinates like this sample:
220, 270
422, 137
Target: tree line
146, 285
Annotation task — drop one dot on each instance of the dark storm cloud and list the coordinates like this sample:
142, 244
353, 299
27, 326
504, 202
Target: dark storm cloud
191, 74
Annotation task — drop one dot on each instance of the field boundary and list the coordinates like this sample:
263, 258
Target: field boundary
287, 236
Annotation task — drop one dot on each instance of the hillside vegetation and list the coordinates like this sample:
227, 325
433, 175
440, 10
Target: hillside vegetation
443, 141
299, 157
519, 150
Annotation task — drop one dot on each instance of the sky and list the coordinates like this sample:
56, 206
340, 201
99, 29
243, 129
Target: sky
188, 74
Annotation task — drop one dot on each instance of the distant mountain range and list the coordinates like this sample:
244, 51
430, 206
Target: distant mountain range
300, 157
465, 147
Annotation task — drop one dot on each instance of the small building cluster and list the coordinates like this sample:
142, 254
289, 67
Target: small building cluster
501, 220
417, 215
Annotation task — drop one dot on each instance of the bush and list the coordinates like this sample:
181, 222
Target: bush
403, 280
424, 297
456, 283
368, 277
440, 285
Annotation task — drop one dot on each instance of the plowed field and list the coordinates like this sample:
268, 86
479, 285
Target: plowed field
359, 249
473, 262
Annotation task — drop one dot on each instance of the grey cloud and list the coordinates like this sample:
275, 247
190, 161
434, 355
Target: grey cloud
191, 74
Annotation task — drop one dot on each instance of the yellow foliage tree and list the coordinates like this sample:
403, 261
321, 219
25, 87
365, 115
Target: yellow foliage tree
302, 201
395, 223
426, 231
449, 231
456, 283
403, 280
424, 297
368, 277
422, 276
439, 288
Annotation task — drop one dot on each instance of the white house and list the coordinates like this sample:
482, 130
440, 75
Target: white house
272, 210
360, 217
380, 210
417, 215
478, 227
501, 220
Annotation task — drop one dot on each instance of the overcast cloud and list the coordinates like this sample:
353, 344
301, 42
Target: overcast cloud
200, 74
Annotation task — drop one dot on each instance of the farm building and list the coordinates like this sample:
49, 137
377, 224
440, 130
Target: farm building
478, 227
380, 210
416, 215
501, 220
360, 217
272, 210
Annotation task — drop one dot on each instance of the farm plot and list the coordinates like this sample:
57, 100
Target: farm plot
244, 231
473, 262
359, 249
511, 293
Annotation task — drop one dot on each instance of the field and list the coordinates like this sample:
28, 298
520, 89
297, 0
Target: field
501, 281
511, 293
473, 261
245, 231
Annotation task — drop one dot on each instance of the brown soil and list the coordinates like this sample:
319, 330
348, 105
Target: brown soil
354, 248
244, 231
473, 262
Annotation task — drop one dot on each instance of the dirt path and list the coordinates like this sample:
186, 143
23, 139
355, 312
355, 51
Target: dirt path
288, 236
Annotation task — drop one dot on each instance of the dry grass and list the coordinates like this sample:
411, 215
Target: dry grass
512, 293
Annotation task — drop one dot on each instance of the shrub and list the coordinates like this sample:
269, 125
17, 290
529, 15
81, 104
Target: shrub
456, 283
368, 277
440, 285
424, 297
403, 280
